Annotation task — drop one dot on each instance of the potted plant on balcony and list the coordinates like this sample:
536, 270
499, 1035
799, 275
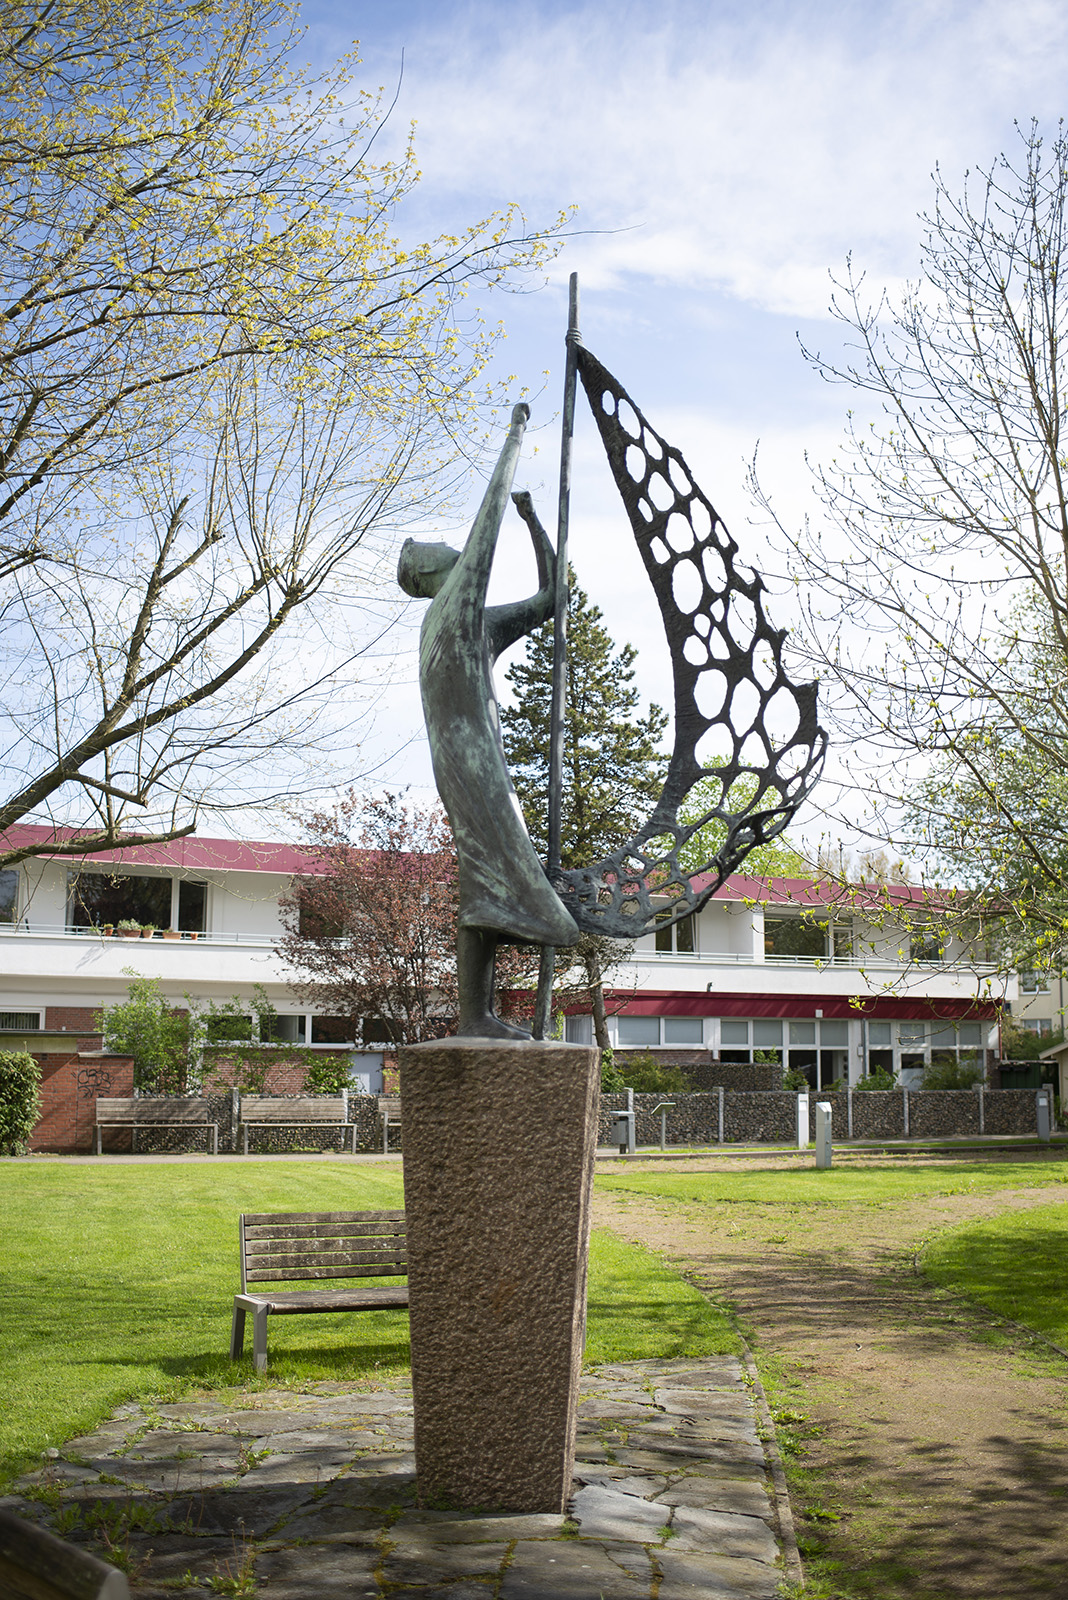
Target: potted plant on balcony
129, 929
147, 929
171, 933
108, 929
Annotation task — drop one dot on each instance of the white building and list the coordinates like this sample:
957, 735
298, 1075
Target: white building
835, 983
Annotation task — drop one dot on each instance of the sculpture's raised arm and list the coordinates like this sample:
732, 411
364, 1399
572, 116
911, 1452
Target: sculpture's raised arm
505, 624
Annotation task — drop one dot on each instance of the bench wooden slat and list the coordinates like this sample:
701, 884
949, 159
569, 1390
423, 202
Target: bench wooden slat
311, 1274
339, 1299
376, 1237
324, 1257
315, 1219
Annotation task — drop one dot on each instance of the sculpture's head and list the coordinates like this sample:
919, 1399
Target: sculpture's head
423, 568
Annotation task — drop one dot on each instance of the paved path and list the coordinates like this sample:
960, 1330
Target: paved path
311, 1494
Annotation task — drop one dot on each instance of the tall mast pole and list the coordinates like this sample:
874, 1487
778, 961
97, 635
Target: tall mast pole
543, 1007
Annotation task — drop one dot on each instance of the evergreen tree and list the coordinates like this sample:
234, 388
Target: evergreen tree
613, 765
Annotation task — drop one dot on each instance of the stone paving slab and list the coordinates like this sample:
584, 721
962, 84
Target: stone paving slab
286, 1495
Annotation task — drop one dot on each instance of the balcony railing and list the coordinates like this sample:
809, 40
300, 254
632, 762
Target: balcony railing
27, 928
866, 963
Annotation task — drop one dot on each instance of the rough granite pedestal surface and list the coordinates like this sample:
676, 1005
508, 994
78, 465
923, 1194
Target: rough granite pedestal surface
499, 1144
309, 1493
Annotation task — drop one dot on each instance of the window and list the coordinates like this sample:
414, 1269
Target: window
767, 1034
225, 1028
578, 1030
192, 907
9, 895
802, 1033
1034, 983
1038, 1025
333, 1030
971, 1035
731, 1032
99, 898
834, 1035
20, 1021
800, 937
912, 1034
677, 938
287, 1029
926, 944
842, 941
684, 1030
634, 1032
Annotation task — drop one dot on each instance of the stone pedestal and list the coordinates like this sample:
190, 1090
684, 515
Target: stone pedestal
499, 1141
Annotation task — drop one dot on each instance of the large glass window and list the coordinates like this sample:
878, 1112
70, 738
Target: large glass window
767, 1033
99, 898
795, 936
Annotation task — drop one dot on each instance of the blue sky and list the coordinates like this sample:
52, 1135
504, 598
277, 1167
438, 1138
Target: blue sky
723, 160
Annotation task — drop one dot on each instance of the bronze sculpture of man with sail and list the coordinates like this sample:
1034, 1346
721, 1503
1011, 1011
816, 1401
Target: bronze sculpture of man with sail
505, 894
741, 726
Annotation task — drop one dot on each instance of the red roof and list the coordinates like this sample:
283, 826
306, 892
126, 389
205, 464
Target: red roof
190, 855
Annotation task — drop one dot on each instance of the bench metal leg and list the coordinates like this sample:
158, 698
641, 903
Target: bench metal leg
98, 1139
237, 1333
259, 1338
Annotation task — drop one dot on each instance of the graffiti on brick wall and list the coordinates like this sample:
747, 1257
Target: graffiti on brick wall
93, 1081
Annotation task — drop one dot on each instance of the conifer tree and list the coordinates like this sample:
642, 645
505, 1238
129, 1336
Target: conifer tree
613, 765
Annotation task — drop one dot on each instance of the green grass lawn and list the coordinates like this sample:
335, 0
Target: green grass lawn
117, 1283
805, 1186
1017, 1264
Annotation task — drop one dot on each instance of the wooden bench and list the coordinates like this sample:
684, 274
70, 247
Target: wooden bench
36, 1565
291, 1246
389, 1116
296, 1111
153, 1111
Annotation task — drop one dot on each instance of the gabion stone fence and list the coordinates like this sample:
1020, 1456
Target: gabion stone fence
753, 1116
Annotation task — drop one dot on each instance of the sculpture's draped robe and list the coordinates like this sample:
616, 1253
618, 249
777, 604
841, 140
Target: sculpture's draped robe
502, 884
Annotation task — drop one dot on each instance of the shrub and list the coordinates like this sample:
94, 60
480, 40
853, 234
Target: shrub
946, 1072
645, 1075
879, 1079
612, 1080
794, 1080
20, 1100
157, 1038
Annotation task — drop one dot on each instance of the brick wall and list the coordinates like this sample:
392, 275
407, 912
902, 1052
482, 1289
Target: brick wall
69, 1087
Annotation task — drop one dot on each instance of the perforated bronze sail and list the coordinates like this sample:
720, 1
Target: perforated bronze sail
739, 721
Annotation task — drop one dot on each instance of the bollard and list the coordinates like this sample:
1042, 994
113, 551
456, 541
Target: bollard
1042, 1113
802, 1119
823, 1133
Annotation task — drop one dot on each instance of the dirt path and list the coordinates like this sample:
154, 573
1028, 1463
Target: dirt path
936, 1437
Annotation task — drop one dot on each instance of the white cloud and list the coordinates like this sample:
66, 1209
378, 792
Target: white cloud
744, 151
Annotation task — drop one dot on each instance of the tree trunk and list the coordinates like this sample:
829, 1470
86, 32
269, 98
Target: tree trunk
600, 1025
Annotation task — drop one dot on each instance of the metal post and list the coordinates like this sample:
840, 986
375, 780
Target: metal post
664, 1107
802, 1119
1043, 1106
824, 1115
721, 1114
543, 1006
